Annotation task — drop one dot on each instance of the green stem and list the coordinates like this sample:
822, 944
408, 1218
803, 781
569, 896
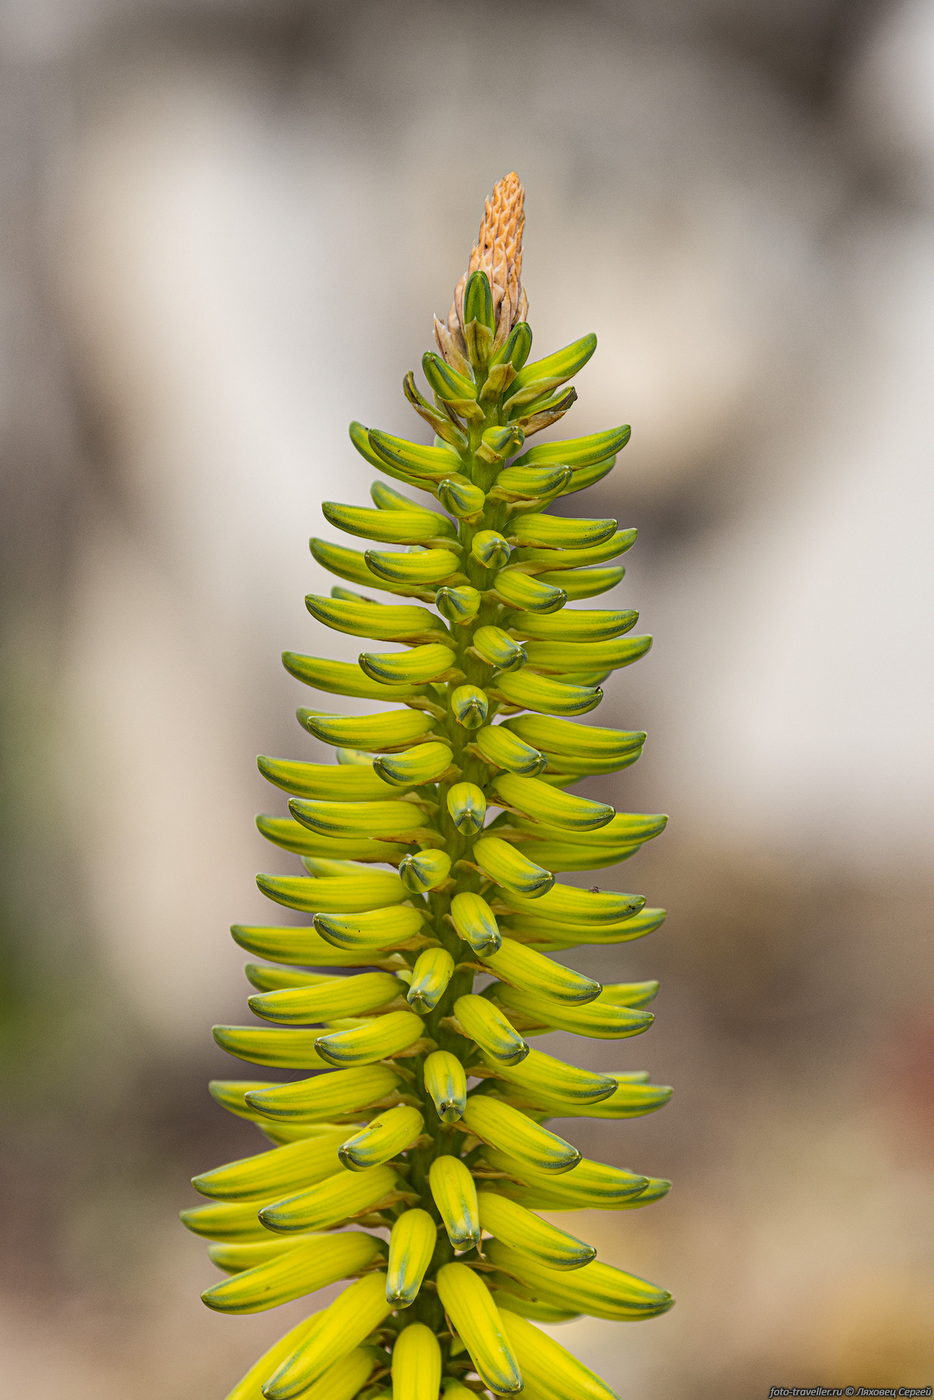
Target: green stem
443, 1137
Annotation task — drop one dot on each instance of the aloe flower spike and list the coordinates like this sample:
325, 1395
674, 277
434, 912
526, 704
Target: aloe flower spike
410, 1154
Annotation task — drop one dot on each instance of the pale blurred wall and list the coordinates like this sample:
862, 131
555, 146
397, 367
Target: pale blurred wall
226, 228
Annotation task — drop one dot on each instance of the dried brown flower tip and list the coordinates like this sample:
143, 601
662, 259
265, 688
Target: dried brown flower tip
498, 253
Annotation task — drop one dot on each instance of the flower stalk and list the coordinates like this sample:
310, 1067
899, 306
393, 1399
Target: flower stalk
412, 1154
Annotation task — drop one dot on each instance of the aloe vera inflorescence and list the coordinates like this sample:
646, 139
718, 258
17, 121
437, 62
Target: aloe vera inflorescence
429, 852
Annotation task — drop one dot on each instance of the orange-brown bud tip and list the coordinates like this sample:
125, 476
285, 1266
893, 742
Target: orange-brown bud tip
498, 253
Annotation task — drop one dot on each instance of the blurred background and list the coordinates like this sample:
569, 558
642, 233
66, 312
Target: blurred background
226, 224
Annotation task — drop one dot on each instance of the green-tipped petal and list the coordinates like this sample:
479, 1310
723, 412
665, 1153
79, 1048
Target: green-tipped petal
341, 1381
580, 452
368, 819
538, 484
547, 696
301, 1270
431, 662
541, 1079
550, 805
334, 1333
510, 868
373, 929
428, 463
391, 729
299, 946
425, 871
324, 1096
328, 1001
430, 977
378, 620
583, 583
490, 549
501, 1126
562, 736
560, 658
418, 570
379, 1038
280, 1049
227, 1221
559, 532
517, 346
487, 1027
424, 763
445, 1084
498, 649
590, 1186
541, 376
534, 973
446, 382
626, 1101
520, 1229
470, 706
597, 1288
411, 1245
550, 1371
346, 783
597, 1018
524, 591
573, 624
568, 903
478, 301
458, 605
382, 1139
475, 923
351, 565
455, 1196
475, 1317
268, 1174
340, 1197
292, 836
393, 526
500, 747
343, 678
466, 806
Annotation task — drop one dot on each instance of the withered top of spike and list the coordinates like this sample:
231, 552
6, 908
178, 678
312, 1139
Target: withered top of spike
498, 253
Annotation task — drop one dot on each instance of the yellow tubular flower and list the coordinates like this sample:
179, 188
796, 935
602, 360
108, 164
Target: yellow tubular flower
455, 1195
411, 1244
416, 1364
410, 1154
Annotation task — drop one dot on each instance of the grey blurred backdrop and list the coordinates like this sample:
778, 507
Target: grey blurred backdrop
225, 228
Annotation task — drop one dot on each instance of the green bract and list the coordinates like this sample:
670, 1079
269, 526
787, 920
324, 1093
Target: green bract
418, 1115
